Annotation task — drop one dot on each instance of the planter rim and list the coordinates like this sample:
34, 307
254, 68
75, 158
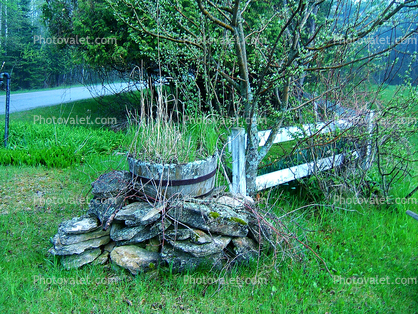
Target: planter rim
215, 155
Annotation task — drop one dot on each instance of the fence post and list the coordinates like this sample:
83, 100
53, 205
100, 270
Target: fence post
370, 141
6, 76
238, 161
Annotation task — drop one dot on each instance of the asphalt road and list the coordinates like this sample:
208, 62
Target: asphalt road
26, 101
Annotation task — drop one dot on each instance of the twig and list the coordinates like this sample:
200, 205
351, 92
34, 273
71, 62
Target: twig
293, 237
412, 193
324, 205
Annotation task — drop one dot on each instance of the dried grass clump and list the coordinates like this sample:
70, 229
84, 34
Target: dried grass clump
157, 138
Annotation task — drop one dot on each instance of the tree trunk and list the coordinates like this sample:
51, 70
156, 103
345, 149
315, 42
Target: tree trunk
250, 108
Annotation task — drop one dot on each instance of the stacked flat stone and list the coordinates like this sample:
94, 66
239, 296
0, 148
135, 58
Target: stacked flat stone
80, 241
182, 234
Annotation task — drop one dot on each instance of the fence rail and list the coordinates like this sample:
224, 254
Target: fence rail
238, 143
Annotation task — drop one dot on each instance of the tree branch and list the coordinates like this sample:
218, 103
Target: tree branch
270, 58
235, 13
372, 56
220, 11
212, 18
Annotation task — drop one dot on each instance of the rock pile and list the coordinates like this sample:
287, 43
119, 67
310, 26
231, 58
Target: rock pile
139, 235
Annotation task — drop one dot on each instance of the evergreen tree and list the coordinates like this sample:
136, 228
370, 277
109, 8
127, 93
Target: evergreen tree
30, 63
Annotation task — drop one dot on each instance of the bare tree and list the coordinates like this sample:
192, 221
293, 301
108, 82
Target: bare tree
286, 43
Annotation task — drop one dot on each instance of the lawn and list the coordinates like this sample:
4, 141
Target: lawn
357, 243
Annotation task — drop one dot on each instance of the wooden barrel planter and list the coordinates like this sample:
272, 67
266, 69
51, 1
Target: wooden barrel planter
166, 180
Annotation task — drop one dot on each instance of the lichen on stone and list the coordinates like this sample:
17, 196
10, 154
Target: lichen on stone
238, 220
214, 215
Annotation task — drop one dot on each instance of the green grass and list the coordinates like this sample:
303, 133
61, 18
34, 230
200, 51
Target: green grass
373, 241
276, 153
59, 145
386, 93
376, 241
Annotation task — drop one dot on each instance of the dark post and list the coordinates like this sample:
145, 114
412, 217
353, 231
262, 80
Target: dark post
6, 128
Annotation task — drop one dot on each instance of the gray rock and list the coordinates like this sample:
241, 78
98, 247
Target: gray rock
119, 232
147, 233
215, 218
102, 259
109, 247
153, 245
76, 261
103, 208
153, 215
199, 237
230, 201
245, 249
80, 247
62, 238
139, 213
78, 225
112, 184
134, 258
179, 234
131, 223
180, 261
201, 250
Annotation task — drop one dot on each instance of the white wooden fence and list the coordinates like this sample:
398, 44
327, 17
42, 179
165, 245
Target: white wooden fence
237, 146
